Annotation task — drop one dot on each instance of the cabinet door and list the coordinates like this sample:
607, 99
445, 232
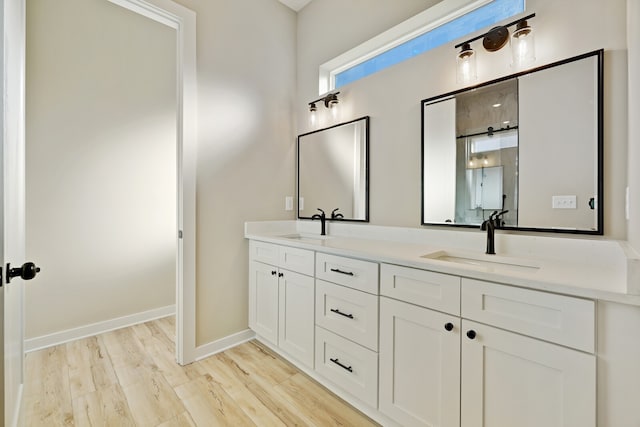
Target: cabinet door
419, 365
263, 300
297, 316
513, 380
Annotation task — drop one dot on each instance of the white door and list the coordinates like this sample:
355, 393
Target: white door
263, 300
512, 380
419, 365
12, 230
296, 315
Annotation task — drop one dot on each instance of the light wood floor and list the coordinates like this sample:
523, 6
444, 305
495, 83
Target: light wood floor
129, 377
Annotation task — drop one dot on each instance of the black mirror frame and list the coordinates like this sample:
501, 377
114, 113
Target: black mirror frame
599, 54
366, 207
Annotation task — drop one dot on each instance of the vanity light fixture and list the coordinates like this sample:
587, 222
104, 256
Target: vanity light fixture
313, 114
466, 61
330, 102
522, 47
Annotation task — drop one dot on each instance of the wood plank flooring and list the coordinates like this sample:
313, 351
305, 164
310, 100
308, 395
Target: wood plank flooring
129, 377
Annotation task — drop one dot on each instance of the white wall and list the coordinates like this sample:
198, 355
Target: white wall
101, 112
246, 146
392, 97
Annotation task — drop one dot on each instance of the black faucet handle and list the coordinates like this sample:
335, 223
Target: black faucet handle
498, 222
335, 215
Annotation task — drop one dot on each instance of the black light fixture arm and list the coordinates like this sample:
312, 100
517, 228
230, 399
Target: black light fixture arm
326, 99
510, 24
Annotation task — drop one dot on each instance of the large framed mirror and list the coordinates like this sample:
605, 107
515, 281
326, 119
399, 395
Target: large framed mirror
333, 171
530, 143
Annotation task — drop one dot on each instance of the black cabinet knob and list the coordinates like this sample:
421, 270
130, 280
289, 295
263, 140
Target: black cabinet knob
280, 274
448, 326
471, 334
273, 273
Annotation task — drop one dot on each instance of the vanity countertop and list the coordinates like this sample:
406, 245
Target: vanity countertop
597, 268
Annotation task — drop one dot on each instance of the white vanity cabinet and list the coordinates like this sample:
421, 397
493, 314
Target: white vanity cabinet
462, 352
413, 347
281, 298
419, 347
513, 372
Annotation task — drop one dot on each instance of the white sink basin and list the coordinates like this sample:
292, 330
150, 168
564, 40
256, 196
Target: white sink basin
484, 261
308, 238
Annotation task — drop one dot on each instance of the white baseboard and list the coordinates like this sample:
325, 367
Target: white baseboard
56, 338
223, 344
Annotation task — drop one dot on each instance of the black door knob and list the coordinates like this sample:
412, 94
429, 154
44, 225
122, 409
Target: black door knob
471, 334
448, 326
27, 272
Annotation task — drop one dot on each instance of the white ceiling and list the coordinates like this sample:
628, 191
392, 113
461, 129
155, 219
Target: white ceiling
295, 4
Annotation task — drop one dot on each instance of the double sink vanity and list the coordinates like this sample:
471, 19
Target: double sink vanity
414, 331
421, 327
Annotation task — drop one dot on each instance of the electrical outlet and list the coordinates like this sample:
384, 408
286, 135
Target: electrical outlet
564, 202
288, 203
301, 203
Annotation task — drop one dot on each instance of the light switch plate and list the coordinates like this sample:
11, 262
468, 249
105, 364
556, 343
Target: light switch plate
564, 202
301, 204
288, 203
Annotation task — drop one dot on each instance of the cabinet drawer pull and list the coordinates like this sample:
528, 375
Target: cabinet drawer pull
337, 362
471, 334
337, 270
273, 273
336, 311
280, 274
448, 326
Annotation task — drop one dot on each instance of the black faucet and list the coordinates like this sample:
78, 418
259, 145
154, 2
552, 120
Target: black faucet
323, 221
335, 215
494, 221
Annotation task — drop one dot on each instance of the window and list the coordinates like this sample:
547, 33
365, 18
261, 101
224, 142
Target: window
455, 21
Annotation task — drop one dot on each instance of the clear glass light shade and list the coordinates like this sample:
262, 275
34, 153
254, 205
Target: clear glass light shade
334, 111
466, 66
313, 116
523, 45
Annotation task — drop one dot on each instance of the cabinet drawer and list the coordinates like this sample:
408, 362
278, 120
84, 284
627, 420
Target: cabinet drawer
298, 260
432, 290
560, 319
354, 273
347, 312
293, 259
263, 252
348, 365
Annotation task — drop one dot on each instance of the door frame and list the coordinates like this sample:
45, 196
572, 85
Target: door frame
12, 229
183, 20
